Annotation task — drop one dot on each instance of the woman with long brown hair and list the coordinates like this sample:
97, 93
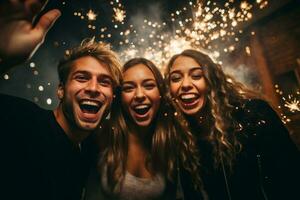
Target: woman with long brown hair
140, 156
244, 149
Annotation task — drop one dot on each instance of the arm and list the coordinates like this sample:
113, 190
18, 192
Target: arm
19, 38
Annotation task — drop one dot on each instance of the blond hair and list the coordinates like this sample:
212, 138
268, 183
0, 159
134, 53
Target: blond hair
97, 50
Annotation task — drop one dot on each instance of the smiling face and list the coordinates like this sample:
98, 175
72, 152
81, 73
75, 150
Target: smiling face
86, 95
188, 85
140, 94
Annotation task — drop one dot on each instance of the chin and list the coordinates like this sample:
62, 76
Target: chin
190, 112
87, 126
143, 123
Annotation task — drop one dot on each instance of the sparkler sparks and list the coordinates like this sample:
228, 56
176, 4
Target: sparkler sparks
176, 45
119, 14
91, 15
292, 103
203, 26
210, 26
285, 119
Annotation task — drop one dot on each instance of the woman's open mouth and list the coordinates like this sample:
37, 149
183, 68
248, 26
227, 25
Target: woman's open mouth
189, 100
141, 110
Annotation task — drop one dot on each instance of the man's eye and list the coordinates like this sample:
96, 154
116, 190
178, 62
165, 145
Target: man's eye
105, 82
81, 78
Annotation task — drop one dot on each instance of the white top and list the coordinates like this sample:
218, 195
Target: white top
136, 188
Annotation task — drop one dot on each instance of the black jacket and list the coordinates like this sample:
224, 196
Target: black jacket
268, 167
38, 160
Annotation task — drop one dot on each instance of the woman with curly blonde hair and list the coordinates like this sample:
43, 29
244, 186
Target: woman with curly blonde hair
244, 149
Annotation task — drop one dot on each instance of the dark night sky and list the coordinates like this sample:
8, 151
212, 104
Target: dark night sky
68, 31
38, 82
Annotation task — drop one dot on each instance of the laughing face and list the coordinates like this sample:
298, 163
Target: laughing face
188, 85
140, 94
86, 95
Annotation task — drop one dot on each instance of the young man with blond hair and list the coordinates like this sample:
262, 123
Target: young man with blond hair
47, 154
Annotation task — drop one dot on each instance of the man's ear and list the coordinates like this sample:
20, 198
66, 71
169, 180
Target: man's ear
60, 91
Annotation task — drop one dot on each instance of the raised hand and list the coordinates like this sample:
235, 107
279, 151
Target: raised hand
18, 37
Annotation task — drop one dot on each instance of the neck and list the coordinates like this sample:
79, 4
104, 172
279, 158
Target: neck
74, 133
140, 136
139, 140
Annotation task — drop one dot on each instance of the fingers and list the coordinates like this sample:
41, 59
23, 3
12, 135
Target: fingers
46, 21
20, 9
32, 7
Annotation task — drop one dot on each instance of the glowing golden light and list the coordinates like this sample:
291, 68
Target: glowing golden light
119, 15
248, 50
292, 104
206, 25
91, 15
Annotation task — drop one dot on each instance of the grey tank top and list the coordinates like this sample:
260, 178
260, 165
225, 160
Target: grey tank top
135, 188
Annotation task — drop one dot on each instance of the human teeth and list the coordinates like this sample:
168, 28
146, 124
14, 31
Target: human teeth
90, 103
141, 106
142, 109
89, 106
188, 96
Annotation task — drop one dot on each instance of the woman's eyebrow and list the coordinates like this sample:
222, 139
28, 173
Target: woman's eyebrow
196, 68
192, 69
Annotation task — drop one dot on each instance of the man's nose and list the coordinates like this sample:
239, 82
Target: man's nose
93, 87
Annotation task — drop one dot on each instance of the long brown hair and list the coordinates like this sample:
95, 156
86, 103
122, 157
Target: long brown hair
162, 142
223, 96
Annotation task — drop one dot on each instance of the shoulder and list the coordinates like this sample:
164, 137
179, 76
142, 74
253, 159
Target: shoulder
12, 102
261, 123
263, 112
19, 110
23, 122
259, 118
254, 110
257, 105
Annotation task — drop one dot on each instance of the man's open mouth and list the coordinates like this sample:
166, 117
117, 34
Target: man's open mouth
90, 106
141, 109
